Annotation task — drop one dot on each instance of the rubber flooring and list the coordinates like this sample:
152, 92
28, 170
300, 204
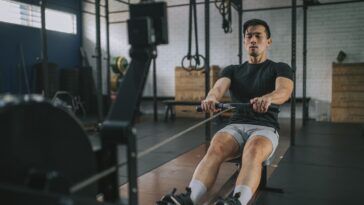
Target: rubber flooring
324, 167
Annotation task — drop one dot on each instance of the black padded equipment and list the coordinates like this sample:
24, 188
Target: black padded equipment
37, 136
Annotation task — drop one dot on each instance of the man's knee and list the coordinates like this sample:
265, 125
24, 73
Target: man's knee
257, 149
223, 145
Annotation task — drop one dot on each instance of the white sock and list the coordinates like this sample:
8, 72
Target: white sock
198, 189
245, 193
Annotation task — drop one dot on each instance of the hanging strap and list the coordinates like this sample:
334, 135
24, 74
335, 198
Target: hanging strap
224, 8
226, 18
193, 62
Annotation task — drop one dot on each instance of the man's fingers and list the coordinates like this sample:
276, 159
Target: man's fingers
208, 106
254, 100
266, 107
254, 106
260, 105
212, 106
203, 106
263, 105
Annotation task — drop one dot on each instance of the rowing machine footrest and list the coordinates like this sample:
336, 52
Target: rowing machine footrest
263, 182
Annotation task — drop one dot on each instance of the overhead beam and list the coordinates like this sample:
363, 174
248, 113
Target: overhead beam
260, 9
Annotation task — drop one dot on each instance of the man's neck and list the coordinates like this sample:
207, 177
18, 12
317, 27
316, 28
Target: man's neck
257, 59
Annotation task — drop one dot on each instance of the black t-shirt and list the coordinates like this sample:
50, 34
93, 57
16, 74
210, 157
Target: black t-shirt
254, 80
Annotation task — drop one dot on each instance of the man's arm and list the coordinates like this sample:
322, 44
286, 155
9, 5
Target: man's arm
280, 95
215, 94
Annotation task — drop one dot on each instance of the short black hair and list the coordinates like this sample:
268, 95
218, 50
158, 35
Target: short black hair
256, 22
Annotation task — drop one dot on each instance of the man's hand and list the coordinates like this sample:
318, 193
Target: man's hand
215, 94
208, 104
261, 104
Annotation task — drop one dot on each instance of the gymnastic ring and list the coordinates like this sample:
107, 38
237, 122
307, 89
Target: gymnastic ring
189, 58
197, 62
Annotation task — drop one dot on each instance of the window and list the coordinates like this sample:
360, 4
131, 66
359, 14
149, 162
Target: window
67, 24
30, 15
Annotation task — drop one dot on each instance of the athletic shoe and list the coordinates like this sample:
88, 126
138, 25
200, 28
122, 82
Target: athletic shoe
229, 200
179, 199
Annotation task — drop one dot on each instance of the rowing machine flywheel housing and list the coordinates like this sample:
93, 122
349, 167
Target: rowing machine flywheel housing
43, 146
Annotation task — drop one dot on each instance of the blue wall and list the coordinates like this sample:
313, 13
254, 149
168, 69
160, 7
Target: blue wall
63, 49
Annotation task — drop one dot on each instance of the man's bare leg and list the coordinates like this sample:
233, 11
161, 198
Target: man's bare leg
222, 146
256, 150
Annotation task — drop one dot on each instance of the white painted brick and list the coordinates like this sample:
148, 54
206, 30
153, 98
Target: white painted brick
330, 29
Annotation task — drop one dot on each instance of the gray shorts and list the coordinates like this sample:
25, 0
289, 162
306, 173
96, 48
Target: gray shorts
243, 132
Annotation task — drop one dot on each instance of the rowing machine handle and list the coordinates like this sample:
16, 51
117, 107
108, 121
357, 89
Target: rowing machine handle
272, 107
217, 106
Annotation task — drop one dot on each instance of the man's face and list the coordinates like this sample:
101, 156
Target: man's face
256, 41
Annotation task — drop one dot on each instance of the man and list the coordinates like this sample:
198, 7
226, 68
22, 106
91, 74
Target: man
261, 82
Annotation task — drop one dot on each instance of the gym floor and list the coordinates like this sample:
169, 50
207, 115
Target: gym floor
173, 164
323, 167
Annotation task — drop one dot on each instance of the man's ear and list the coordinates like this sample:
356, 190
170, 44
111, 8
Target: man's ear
269, 42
